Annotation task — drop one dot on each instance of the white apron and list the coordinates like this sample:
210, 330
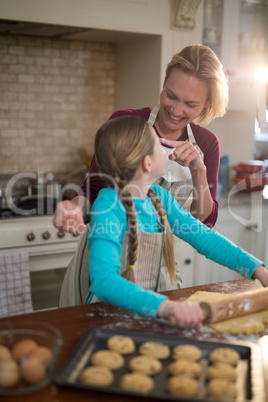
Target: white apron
177, 179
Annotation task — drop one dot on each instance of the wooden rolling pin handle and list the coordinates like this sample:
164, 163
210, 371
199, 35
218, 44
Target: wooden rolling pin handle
237, 305
205, 312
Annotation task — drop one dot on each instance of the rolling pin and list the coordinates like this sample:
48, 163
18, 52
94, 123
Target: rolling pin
237, 305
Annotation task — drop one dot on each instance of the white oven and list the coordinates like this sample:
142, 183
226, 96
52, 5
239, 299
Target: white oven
49, 251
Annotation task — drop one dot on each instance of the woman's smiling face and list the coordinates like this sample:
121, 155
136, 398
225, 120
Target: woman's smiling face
182, 100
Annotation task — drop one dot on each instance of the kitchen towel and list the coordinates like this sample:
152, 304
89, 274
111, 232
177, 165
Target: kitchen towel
15, 286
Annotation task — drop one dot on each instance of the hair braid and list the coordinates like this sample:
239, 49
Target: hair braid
169, 241
128, 204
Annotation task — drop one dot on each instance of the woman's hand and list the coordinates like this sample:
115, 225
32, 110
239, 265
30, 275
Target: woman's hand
262, 275
68, 217
182, 314
184, 153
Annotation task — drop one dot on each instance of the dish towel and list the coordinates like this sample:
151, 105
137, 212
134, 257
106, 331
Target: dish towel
15, 286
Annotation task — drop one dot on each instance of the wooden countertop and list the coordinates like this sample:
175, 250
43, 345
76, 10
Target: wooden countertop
74, 321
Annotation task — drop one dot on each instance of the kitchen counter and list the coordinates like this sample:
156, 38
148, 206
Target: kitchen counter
74, 321
235, 197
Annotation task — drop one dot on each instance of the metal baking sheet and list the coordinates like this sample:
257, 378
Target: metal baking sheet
249, 382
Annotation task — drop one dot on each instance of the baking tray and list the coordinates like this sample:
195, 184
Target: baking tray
249, 382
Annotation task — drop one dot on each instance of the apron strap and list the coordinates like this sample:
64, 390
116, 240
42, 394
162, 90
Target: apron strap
153, 115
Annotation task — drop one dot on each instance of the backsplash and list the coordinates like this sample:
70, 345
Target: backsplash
54, 95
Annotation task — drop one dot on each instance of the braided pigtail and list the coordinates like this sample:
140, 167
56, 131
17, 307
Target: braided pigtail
169, 241
127, 202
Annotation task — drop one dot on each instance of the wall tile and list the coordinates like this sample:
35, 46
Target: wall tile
54, 96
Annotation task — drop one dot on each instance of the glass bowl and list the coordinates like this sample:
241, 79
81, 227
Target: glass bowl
45, 335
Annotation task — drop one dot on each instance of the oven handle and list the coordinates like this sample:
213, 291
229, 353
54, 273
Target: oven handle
45, 253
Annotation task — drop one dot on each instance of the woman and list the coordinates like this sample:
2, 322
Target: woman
195, 88
132, 221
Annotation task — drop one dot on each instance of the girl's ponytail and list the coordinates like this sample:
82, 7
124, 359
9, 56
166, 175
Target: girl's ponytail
132, 252
169, 241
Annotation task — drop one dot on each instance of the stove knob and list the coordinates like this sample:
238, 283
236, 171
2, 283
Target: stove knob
46, 235
61, 234
30, 236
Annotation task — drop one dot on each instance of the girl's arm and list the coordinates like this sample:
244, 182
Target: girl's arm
209, 242
107, 229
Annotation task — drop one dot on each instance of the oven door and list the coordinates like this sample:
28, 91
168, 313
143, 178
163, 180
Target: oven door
47, 270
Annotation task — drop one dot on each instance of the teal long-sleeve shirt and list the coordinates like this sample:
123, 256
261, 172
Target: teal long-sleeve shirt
107, 229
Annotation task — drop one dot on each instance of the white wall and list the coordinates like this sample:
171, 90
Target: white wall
236, 134
139, 16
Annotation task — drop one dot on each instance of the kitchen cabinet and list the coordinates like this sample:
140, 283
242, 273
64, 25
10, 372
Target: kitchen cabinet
245, 225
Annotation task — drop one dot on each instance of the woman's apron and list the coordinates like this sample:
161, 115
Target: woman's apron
177, 179
150, 271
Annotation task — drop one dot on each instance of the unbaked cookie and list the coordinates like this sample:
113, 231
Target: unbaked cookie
121, 344
221, 370
108, 358
185, 367
182, 385
136, 382
145, 364
97, 375
221, 389
224, 355
155, 349
191, 353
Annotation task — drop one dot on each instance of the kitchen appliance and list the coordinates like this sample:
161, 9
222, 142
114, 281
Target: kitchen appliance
26, 212
49, 250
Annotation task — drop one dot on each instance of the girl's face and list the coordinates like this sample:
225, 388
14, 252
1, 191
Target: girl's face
182, 100
159, 156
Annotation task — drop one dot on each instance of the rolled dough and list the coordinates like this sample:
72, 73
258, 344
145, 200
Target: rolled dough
248, 324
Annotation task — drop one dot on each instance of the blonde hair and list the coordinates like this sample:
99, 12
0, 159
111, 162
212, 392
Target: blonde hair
120, 146
202, 63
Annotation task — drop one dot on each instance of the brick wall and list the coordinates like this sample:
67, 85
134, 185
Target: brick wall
54, 94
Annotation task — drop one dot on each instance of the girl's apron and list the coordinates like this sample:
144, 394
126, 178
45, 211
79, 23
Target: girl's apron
177, 179
149, 270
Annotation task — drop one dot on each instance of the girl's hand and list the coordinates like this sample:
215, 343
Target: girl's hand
262, 275
184, 153
182, 314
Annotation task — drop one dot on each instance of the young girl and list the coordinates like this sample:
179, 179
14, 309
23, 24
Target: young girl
132, 221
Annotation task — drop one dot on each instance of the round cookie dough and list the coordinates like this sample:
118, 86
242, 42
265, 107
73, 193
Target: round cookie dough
221, 370
185, 367
121, 344
191, 353
145, 364
224, 355
97, 375
155, 349
182, 385
221, 389
108, 358
136, 382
